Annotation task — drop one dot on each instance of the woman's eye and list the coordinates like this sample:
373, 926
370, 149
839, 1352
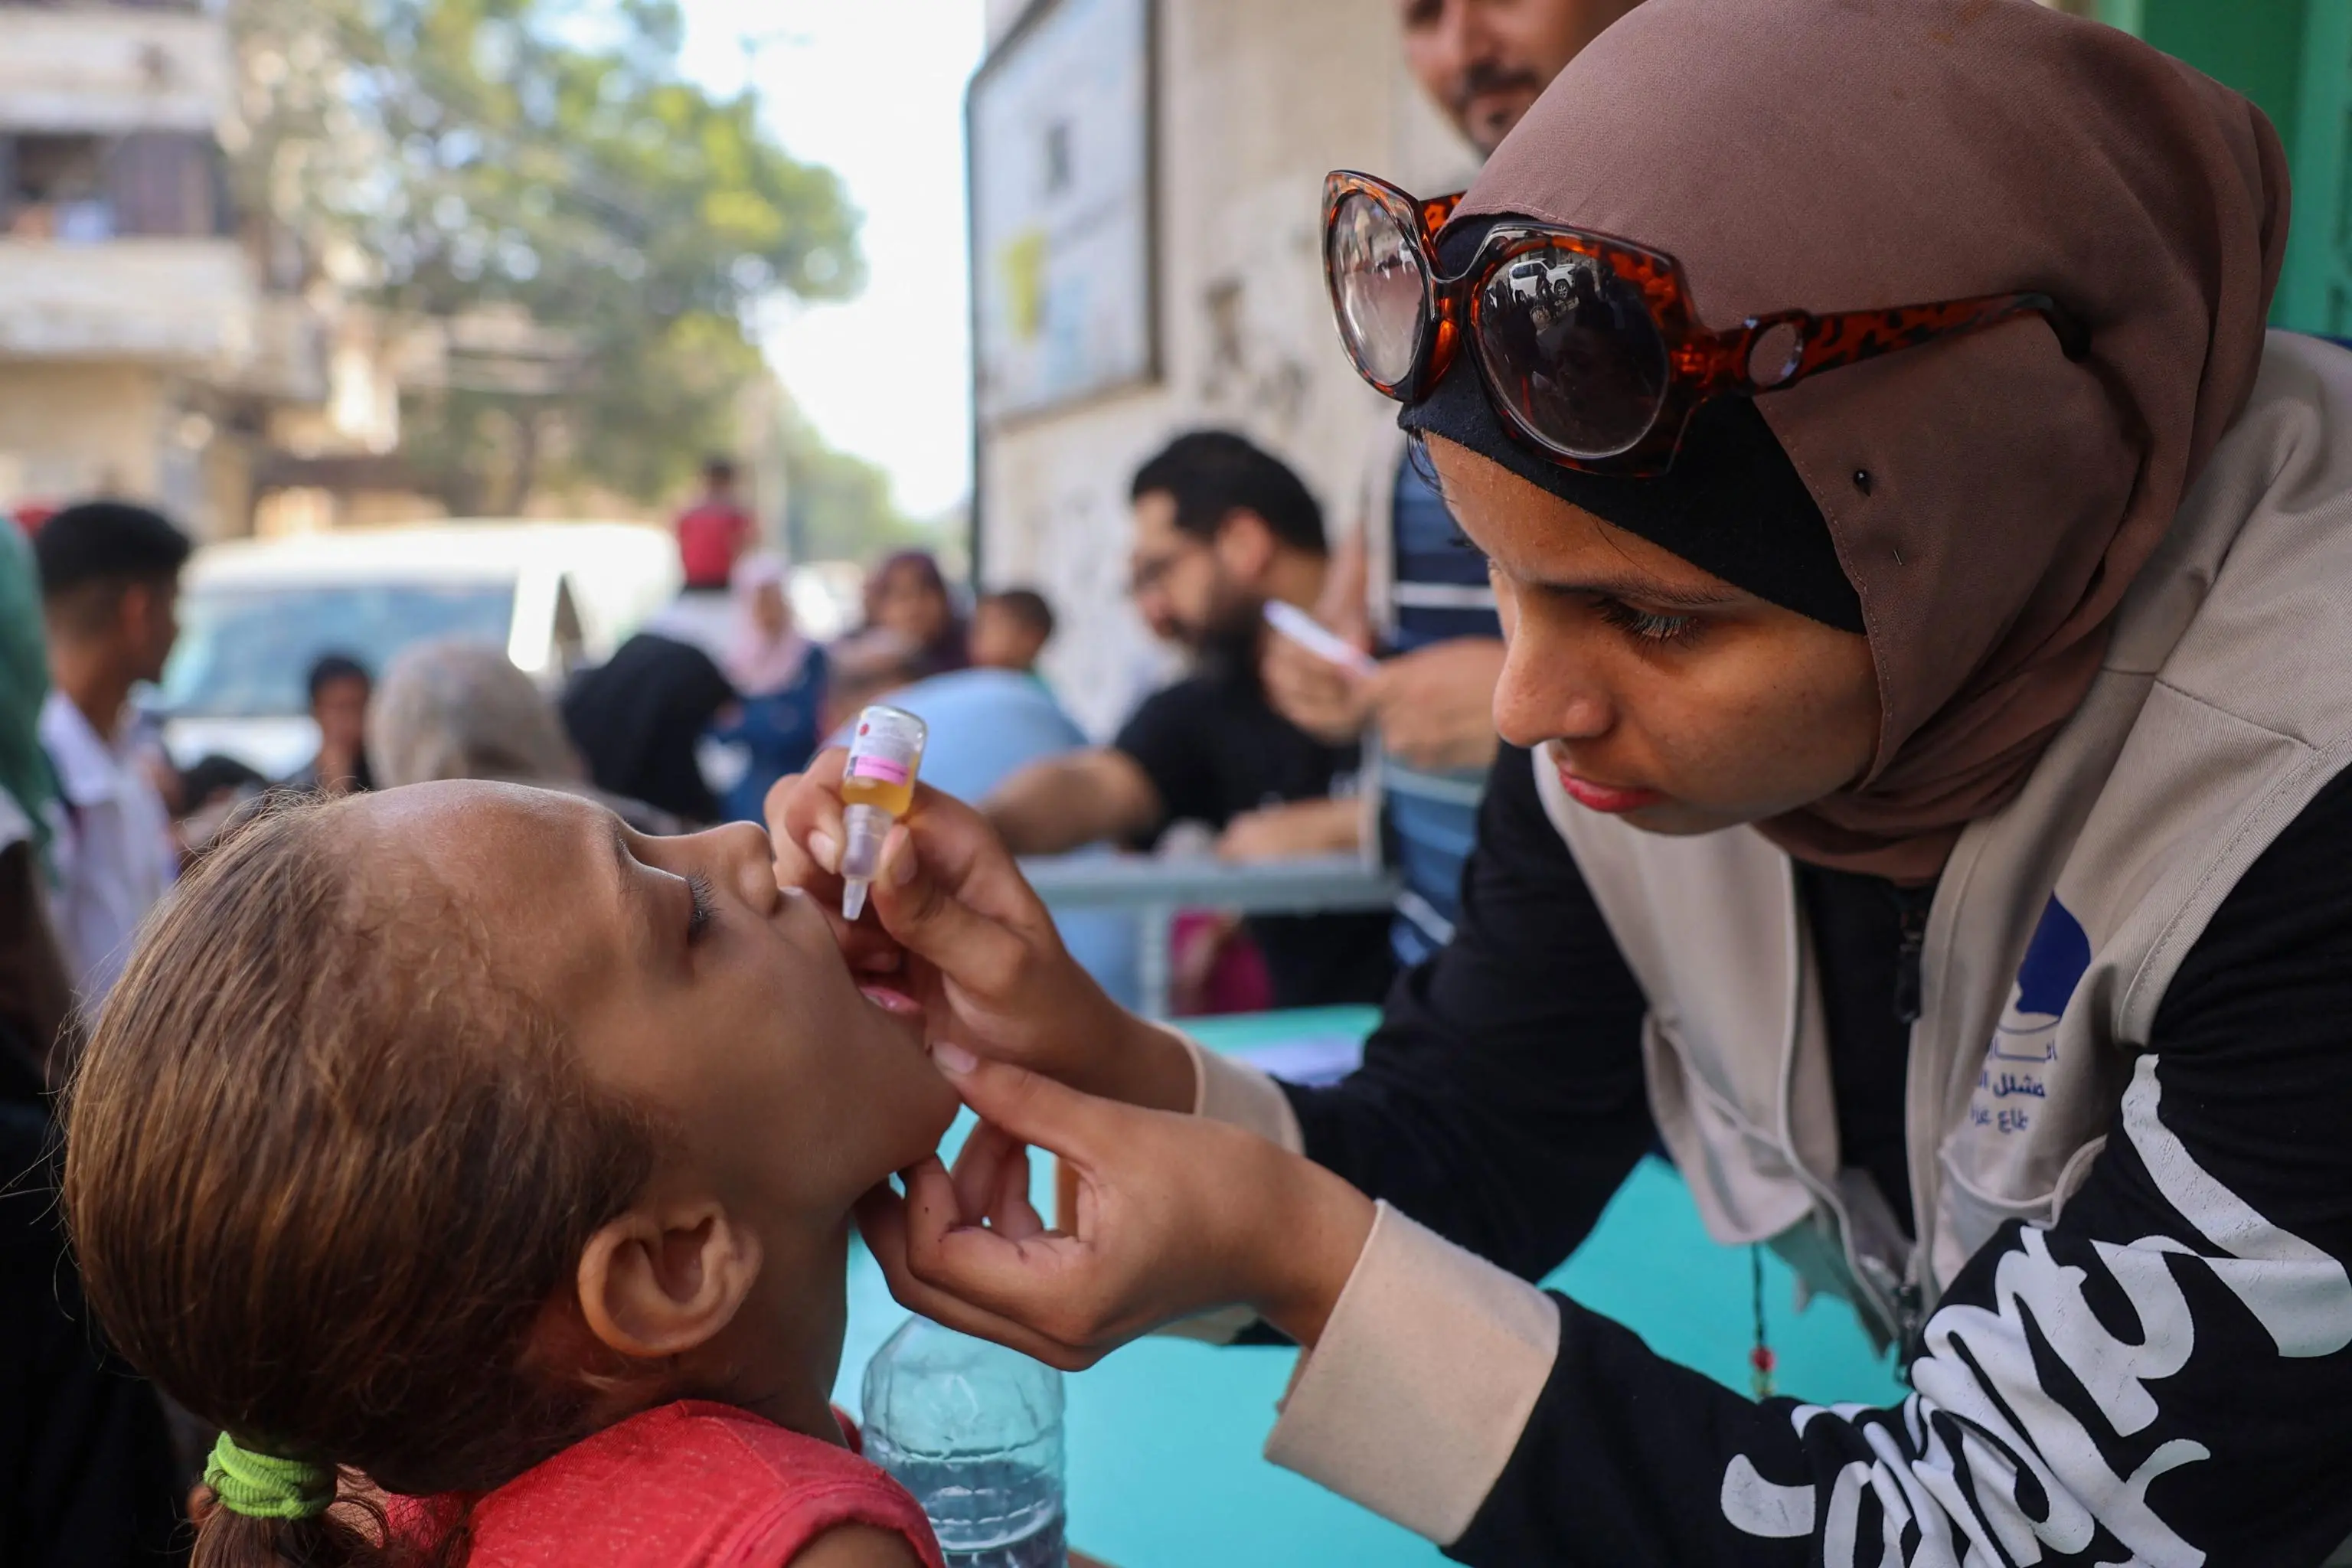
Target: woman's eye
1644, 626
705, 906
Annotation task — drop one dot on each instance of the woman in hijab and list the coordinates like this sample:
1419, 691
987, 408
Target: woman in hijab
639, 721
907, 594
1923, 794
779, 677
457, 709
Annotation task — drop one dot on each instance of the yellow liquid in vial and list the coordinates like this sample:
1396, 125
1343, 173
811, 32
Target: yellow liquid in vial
894, 799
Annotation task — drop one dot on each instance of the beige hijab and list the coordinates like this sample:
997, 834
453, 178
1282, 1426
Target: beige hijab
1834, 154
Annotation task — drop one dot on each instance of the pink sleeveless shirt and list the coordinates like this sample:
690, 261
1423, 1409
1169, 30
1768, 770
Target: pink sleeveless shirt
689, 1485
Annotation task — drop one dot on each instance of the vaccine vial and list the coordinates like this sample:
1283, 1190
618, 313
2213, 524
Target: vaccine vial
878, 786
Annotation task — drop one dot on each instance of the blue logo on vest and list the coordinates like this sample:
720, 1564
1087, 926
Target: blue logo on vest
2055, 962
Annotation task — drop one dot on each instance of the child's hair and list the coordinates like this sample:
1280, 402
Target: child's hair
326, 1174
1027, 606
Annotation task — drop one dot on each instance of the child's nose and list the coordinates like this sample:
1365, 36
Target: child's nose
750, 862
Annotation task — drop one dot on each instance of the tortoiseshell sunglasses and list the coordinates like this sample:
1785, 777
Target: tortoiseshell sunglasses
1587, 343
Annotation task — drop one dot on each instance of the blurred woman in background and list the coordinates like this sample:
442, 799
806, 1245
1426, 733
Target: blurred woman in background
780, 678
454, 709
908, 595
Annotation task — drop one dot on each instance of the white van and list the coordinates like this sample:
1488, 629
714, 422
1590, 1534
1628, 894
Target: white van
256, 614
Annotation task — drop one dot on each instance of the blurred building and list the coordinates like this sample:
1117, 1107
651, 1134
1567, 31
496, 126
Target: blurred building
122, 287
1147, 180
145, 348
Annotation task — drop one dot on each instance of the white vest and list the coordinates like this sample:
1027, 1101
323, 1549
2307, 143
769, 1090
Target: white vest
2223, 705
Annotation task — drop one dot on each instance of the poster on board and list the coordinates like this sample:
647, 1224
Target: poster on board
1059, 120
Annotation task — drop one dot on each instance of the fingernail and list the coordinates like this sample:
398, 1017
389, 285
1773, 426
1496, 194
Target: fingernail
900, 857
827, 853
952, 1059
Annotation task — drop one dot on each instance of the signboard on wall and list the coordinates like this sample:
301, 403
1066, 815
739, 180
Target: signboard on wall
1060, 135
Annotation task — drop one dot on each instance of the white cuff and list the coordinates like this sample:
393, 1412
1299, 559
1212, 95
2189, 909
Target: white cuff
1416, 1396
1240, 1096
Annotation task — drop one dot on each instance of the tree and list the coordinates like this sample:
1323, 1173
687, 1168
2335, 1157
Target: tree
589, 231
838, 506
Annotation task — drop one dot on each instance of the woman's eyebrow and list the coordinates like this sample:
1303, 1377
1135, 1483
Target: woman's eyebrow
1636, 587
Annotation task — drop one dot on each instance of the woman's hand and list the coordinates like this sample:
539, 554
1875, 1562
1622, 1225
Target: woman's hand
957, 927
1175, 1215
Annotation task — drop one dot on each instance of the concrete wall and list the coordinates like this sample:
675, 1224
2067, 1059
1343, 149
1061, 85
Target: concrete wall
1256, 102
74, 429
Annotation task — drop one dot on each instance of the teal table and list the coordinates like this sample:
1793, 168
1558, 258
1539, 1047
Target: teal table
1164, 1436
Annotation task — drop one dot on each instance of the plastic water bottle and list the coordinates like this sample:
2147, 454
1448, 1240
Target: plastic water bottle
974, 1431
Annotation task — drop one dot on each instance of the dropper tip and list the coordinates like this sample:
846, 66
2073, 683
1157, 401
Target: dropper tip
853, 898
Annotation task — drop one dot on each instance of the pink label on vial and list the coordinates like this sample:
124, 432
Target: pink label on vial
867, 765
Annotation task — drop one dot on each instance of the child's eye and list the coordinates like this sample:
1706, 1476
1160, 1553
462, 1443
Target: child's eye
705, 906
1644, 626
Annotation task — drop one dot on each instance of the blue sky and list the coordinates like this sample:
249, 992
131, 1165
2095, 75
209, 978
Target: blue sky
873, 89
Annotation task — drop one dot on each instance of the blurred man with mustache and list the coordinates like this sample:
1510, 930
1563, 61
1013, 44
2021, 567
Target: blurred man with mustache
1484, 61
1432, 613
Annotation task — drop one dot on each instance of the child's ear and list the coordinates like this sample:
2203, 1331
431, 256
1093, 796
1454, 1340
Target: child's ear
661, 1280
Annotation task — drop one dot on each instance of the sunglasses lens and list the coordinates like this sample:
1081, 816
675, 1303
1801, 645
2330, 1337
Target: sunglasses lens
1574, 348
1376, 287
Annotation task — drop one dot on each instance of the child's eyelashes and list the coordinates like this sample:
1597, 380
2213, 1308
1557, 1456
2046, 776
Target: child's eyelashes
705, 906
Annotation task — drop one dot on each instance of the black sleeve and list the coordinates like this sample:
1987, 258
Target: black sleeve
1171, 737
1501, 1100
2161, 1377
87, 1469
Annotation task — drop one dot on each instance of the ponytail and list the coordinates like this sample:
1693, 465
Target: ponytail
351, 1532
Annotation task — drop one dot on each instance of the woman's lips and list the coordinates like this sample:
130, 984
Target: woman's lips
1610, 798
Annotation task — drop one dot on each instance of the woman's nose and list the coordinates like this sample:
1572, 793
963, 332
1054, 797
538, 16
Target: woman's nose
1549, 691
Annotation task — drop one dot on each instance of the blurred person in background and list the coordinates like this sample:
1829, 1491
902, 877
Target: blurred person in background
36, 988
205, 795
339, 686
714, 531
779, 677
458, 709
87, 1470
908, 595
866, 666
1486, 62
109, 597
639, 721
1401, 584
1221, 527
1010, 628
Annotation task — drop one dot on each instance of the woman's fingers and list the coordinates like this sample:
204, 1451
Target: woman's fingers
980, 1170
1010, 1212
1043, 1281
803, 811
882, 1220
925, 915
1034, 1109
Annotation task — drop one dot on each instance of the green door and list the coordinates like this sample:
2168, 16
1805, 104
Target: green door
2294, 58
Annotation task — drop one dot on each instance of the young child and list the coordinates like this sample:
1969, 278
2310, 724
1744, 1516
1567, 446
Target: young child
1010, 628
461, 1141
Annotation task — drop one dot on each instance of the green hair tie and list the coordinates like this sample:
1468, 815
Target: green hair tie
262, 1486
